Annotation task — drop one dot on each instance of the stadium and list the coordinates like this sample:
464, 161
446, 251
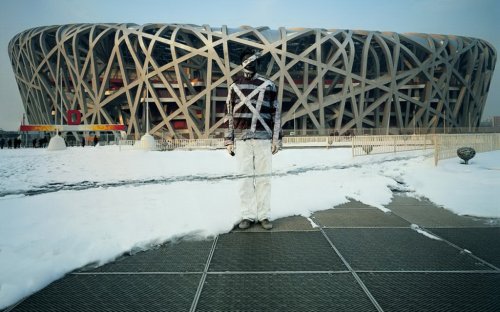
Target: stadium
173, 79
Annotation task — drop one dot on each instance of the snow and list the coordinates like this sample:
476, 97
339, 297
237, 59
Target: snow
61, 210
313, 224
419, 230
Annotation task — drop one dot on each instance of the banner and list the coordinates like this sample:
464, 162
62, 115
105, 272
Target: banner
61, 128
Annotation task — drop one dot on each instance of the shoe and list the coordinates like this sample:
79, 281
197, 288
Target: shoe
266, 224
245, 224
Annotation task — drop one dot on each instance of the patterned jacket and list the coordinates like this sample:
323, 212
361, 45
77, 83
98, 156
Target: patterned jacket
252, 111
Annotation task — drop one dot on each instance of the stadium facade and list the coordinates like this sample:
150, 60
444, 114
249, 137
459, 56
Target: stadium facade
329, 81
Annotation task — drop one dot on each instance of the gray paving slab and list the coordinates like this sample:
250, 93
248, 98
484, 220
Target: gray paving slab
399, 249
115, 293
179, 256
482, 242
283, 292
274, 251
450, 292
427, 214
361, 217
292, 223
352, 203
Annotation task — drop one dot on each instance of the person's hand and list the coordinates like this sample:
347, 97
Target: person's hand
274, 148
230, 149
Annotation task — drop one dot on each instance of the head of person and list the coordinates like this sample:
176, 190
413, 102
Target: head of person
248, 59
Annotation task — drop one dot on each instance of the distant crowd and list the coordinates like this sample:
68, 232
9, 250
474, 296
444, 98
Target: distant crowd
16, 142
11, 143
42, 142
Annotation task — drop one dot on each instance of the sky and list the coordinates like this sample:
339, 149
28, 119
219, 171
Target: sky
114, 211
475, 18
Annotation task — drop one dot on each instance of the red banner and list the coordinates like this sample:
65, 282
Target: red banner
51, 128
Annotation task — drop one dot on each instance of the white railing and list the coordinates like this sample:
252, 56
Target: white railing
140, 145
192, 144
446, 145
195, 144
379, 144
316, 141
126, 144
294, 141
305, 141
162, 145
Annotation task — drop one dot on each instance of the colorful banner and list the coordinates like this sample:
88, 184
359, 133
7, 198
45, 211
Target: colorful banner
51, 128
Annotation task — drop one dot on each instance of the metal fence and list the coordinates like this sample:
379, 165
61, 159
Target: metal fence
140, 145
390, 131
164, 145
446, 145
189, 144
379, 144
316, 141
195, 144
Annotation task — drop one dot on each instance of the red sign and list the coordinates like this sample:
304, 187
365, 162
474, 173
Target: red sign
77, 117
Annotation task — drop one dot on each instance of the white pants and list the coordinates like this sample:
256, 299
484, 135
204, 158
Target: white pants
255, 164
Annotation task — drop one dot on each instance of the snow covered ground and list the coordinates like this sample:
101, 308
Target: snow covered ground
65, 209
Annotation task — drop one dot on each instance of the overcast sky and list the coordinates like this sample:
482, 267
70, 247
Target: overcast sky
476, 18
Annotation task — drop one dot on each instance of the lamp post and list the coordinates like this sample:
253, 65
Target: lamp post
294, 123
147, 142
61, 110
470, 125
56, 142
147, 101
444, 121
414, 120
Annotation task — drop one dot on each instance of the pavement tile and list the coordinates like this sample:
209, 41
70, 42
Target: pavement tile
398, 249
450, 292
482, 242
426, 214
283, 292
115, 293
180, 256
292, 223
274, 251
371, 217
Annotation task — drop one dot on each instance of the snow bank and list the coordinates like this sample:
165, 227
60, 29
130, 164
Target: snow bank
92, 204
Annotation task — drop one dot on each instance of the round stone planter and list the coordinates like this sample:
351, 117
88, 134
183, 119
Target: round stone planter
466, 153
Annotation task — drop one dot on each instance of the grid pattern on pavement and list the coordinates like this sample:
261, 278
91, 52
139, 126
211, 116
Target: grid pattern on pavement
111, 292
279, 251
283, 292
184, 256
359, 259
482, 242
434, 291
387, 249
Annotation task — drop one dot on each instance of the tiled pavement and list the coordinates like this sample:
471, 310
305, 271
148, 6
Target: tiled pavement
358, 259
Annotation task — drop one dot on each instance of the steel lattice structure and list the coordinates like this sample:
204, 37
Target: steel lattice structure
328, 80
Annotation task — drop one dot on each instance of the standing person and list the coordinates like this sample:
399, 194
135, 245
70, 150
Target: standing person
83, 141
2, 142
96, 140
253, 121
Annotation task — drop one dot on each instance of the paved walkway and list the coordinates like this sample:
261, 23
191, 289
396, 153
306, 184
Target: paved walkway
419, 257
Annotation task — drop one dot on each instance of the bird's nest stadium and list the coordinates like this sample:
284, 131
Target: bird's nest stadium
175, 77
